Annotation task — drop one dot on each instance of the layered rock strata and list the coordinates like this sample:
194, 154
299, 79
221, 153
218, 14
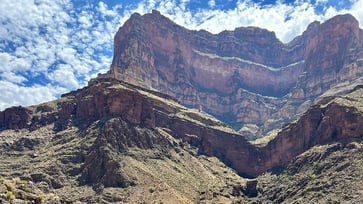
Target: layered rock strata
243, 77
329, 120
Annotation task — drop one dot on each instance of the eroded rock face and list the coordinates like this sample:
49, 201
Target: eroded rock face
338, 120
121, 108
318, 175
245, 76
15, 118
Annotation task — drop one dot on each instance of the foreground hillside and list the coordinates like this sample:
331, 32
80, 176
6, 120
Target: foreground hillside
117, 152
329, 173
70, 166
115, 142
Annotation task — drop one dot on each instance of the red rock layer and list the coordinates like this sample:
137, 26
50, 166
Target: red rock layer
335, 120
241, 76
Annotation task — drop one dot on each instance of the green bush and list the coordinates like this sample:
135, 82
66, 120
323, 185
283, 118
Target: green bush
10, 195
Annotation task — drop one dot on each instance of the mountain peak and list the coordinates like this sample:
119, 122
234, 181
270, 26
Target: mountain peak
345, 25
347, 22
347, 18
199, 67
155, 12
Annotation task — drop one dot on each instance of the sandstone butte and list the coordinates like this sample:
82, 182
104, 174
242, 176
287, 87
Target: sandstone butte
245, 76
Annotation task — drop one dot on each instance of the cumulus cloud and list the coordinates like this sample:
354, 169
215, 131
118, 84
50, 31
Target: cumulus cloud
211, 3
26, 95
51, 47
64, 76
286, 20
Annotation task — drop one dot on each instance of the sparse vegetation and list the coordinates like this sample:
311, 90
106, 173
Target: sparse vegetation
118, 159
15, 188
10, 195
324, 186
9, 185
40, 196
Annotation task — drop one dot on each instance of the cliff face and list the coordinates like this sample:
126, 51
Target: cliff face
324, 174
337, 120
245, 76
114, 142
330, 119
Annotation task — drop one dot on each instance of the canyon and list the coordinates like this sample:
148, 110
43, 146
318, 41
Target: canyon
188, 116
245, 77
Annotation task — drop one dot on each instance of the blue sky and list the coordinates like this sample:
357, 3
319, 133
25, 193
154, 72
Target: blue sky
51, 47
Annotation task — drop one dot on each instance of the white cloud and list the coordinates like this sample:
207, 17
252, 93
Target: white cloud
14, 95
105, 11
64, 76
60, 44
12, 77
357, 11
286, 20
212, 3
85, 20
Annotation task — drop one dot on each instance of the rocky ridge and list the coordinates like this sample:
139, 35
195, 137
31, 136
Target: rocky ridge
109, 141
98, 137
324, 174
222, 73
141, 107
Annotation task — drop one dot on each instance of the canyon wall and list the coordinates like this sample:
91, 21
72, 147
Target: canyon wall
243, 77
332, 119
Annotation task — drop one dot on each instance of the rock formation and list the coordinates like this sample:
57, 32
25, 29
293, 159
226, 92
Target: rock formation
129, 132
152, 110
111, 140
324, 174
243, 77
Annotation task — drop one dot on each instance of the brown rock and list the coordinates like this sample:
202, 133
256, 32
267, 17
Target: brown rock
15, 118
241, 76
341, 119
334, 119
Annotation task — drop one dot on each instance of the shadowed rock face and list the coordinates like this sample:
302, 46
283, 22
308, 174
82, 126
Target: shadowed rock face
245, 76
331, 119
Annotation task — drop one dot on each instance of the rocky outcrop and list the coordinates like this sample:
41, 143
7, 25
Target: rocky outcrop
338, 120
123, 107
243, 77
15, 118
27, 117
324, 174
22, 191
116, 136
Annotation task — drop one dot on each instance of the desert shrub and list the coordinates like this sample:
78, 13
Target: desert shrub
10, 195
10, 185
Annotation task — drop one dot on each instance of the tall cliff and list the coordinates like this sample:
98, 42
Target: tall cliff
246, 77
